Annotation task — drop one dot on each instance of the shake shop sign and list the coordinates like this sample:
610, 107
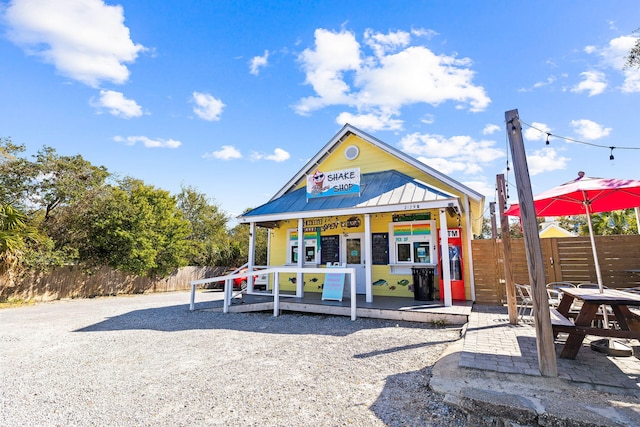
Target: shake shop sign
323, 184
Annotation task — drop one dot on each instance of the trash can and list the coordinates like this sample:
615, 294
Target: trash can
422, 283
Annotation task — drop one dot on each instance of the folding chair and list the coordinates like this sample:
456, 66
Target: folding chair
554, 292
526, 301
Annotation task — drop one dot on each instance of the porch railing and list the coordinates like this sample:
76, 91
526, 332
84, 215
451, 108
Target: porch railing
276, 271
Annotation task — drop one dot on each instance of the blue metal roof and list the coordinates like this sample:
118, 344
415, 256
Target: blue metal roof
377, 189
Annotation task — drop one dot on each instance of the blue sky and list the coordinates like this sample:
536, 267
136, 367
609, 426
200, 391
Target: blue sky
233, 97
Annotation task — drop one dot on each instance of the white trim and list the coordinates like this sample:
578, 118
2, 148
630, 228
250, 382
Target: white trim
251, 261
444, 258
469, 256
301, 259
368, 258
400, 207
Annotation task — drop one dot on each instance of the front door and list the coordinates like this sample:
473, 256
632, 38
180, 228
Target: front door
353, 255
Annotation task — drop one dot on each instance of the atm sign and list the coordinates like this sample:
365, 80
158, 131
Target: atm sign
454, 233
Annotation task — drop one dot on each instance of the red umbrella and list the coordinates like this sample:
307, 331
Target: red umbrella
585, 196
596, 194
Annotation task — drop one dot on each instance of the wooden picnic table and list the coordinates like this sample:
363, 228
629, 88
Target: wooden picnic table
592, 300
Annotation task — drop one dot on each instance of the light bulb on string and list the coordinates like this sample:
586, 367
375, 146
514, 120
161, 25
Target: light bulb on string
611, 155
548, 135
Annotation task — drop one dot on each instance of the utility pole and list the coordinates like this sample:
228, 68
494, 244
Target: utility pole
506, 250
542, 320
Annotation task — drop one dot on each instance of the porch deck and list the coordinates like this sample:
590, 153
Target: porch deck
393, 308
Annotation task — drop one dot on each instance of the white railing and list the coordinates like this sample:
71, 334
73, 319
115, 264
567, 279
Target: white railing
276, 271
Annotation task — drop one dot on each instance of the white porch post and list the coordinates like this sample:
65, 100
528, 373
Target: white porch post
446, 274
301, 254
252, 255
228, 291
468, 261
276, 294
368, 256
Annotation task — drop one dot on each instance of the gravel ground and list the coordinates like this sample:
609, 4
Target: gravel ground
147, 361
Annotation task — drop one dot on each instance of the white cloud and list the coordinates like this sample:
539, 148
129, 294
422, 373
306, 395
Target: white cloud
631, 80
546, 159
615, 53
370, 121
117, 104
537, 85
258, 62
207, 107
537, 132
482, 187
428, 119
595, 82
550, 80
448, 155
334, 54
394, 75
614, 56
421, 32
85, 40
279, 155
381, 44
227, 152
590, 130
490, 129
148, 142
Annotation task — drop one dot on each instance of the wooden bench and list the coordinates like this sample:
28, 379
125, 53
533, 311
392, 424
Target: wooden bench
557, 319
560, 323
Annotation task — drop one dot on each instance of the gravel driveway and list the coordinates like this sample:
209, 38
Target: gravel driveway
147, 361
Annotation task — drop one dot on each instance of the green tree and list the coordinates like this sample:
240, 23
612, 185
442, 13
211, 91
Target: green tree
50, 181
240, 235
15, 235
209, 237
615, 222
486, 229
135, 228
572, 223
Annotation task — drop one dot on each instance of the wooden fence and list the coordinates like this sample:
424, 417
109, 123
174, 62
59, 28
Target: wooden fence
567, 259
74, 282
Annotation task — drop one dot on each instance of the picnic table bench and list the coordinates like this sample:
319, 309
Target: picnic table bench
592, 299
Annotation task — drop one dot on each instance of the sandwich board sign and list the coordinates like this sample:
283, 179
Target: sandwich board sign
333, 288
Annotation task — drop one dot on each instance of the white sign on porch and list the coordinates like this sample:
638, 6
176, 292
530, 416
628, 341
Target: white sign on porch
323, 184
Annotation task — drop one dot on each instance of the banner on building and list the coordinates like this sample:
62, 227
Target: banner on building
323, 184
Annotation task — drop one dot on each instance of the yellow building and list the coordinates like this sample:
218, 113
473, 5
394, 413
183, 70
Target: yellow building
552, 229
361, 203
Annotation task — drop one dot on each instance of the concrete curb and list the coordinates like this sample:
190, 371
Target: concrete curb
499, 399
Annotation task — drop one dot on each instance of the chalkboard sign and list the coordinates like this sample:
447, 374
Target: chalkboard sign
330, 249
380, 248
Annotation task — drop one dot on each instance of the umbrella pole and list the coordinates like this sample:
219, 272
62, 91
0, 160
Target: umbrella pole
587, 208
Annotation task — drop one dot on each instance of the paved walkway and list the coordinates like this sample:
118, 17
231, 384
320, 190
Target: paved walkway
492, 343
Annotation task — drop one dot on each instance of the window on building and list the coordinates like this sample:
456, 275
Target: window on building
412, 242
310, 249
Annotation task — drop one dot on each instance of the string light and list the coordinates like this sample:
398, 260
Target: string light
549, 135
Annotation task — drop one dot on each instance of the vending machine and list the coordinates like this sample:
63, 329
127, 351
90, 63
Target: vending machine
456, 264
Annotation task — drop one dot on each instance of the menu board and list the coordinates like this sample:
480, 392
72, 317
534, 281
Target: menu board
380, 248
329, 249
